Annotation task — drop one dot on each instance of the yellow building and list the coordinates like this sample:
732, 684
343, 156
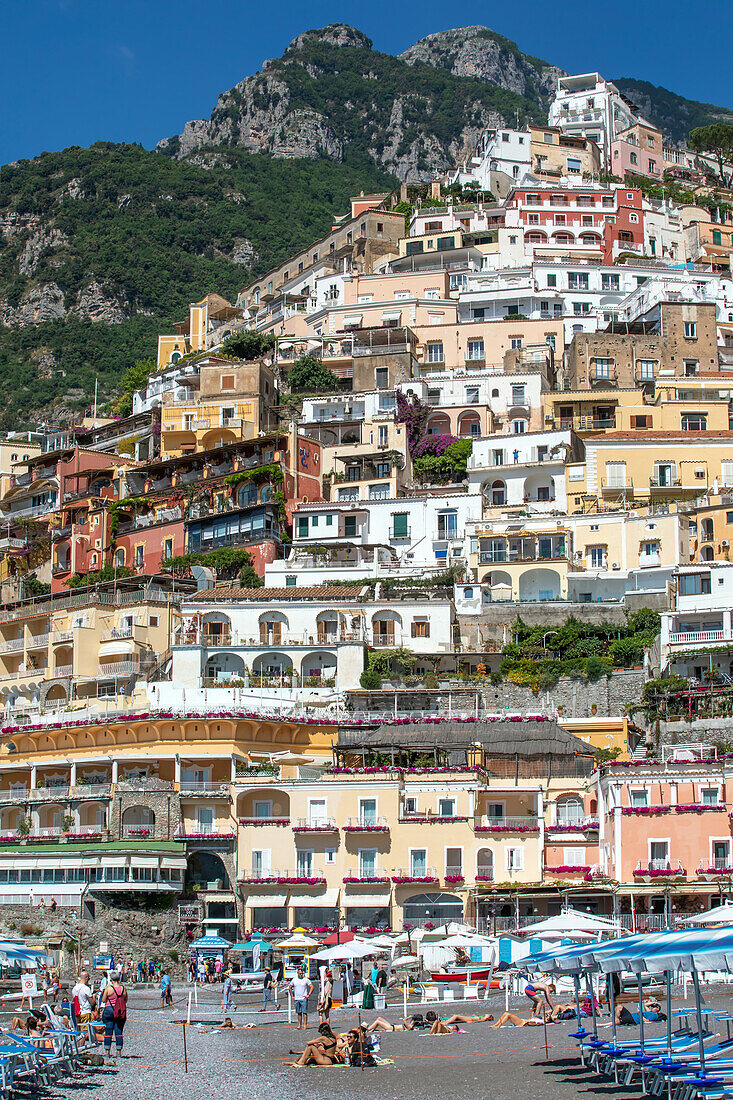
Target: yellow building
208, 322
232, 401
81, 646
653, 466
272, 823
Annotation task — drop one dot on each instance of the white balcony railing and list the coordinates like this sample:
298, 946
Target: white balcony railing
697, 636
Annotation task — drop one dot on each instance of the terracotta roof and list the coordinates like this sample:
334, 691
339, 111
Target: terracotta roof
314, 592
653, 434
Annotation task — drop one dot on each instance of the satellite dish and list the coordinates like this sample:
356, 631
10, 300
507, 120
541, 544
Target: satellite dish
203, 576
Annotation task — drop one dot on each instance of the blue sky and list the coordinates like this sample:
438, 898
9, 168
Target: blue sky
78, 71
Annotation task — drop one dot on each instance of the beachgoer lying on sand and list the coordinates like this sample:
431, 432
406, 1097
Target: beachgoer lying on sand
457, 1018
227, 1025
561, 1012
410, 1023
440, 1028
516, 1021
653, 1012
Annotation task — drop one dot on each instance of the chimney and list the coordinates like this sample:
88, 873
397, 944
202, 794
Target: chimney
435, 189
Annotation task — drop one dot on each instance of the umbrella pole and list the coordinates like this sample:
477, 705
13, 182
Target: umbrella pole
669, 1029
576, 983
641, 1013
698, 1012
589, 987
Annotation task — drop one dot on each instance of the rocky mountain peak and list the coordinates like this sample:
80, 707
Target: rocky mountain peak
335, 34
482, 53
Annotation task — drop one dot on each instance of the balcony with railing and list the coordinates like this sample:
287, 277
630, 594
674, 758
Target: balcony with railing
205, 786
520, 824
315, 825
59, 672
659, 868
137, 832
11, 645
298, 876
37, 641
367, 876
366, 825
416, 874
693, 638
117, 668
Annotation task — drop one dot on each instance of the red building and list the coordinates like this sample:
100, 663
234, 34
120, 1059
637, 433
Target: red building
608, 219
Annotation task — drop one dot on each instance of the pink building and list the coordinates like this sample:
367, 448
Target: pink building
665, 833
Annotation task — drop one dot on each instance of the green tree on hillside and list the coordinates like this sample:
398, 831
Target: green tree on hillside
717, 140
309, 375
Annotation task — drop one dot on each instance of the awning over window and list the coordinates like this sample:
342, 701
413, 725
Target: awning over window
266, 901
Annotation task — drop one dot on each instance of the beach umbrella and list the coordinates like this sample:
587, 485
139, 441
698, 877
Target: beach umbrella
357, 949
340, 937
213, 942
721, 914
569, 922
466, 939
297, 942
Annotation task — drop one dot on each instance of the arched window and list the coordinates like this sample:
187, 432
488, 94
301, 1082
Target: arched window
570, 810
247, 495
498, 492
120, 557
266, 494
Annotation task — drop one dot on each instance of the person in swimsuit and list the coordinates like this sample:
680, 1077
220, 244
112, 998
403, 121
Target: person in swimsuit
457, 1018
321, 1051
410, 1023
536, 991
440, 1028
517, 1021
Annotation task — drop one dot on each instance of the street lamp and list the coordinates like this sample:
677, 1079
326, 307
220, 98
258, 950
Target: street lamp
547, 635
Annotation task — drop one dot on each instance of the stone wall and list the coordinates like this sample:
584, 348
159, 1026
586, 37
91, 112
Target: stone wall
128, 929
488, 628
610, 695
157, 796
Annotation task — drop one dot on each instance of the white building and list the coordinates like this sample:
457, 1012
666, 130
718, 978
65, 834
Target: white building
406, 536
299, 637
697, 633
522, 470
588, 106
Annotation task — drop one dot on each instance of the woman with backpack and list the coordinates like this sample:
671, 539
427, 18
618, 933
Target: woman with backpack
114, 1014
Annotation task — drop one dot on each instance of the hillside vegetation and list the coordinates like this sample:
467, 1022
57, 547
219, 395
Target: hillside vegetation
102, 248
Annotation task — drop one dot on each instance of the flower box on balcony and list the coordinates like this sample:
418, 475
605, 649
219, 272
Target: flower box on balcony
454, 878
286, 880
484, 878
256, 821
365, 828
315, 828
646, 873
645, 810
204, 836
697, 808
567, 870
506, 829
399, 879
715, 871
361, 879
590, 825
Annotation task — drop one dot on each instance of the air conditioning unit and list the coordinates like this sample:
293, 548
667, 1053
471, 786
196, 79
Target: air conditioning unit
615, 565
724, 544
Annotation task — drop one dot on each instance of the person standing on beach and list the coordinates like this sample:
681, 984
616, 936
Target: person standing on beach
166, 996
300, 990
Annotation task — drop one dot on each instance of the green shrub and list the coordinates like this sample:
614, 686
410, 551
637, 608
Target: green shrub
370, 680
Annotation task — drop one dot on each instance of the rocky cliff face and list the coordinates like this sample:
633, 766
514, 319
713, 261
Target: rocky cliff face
332, 95
483, 54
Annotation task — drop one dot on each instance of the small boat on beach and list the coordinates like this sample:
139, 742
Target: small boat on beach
463, 974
